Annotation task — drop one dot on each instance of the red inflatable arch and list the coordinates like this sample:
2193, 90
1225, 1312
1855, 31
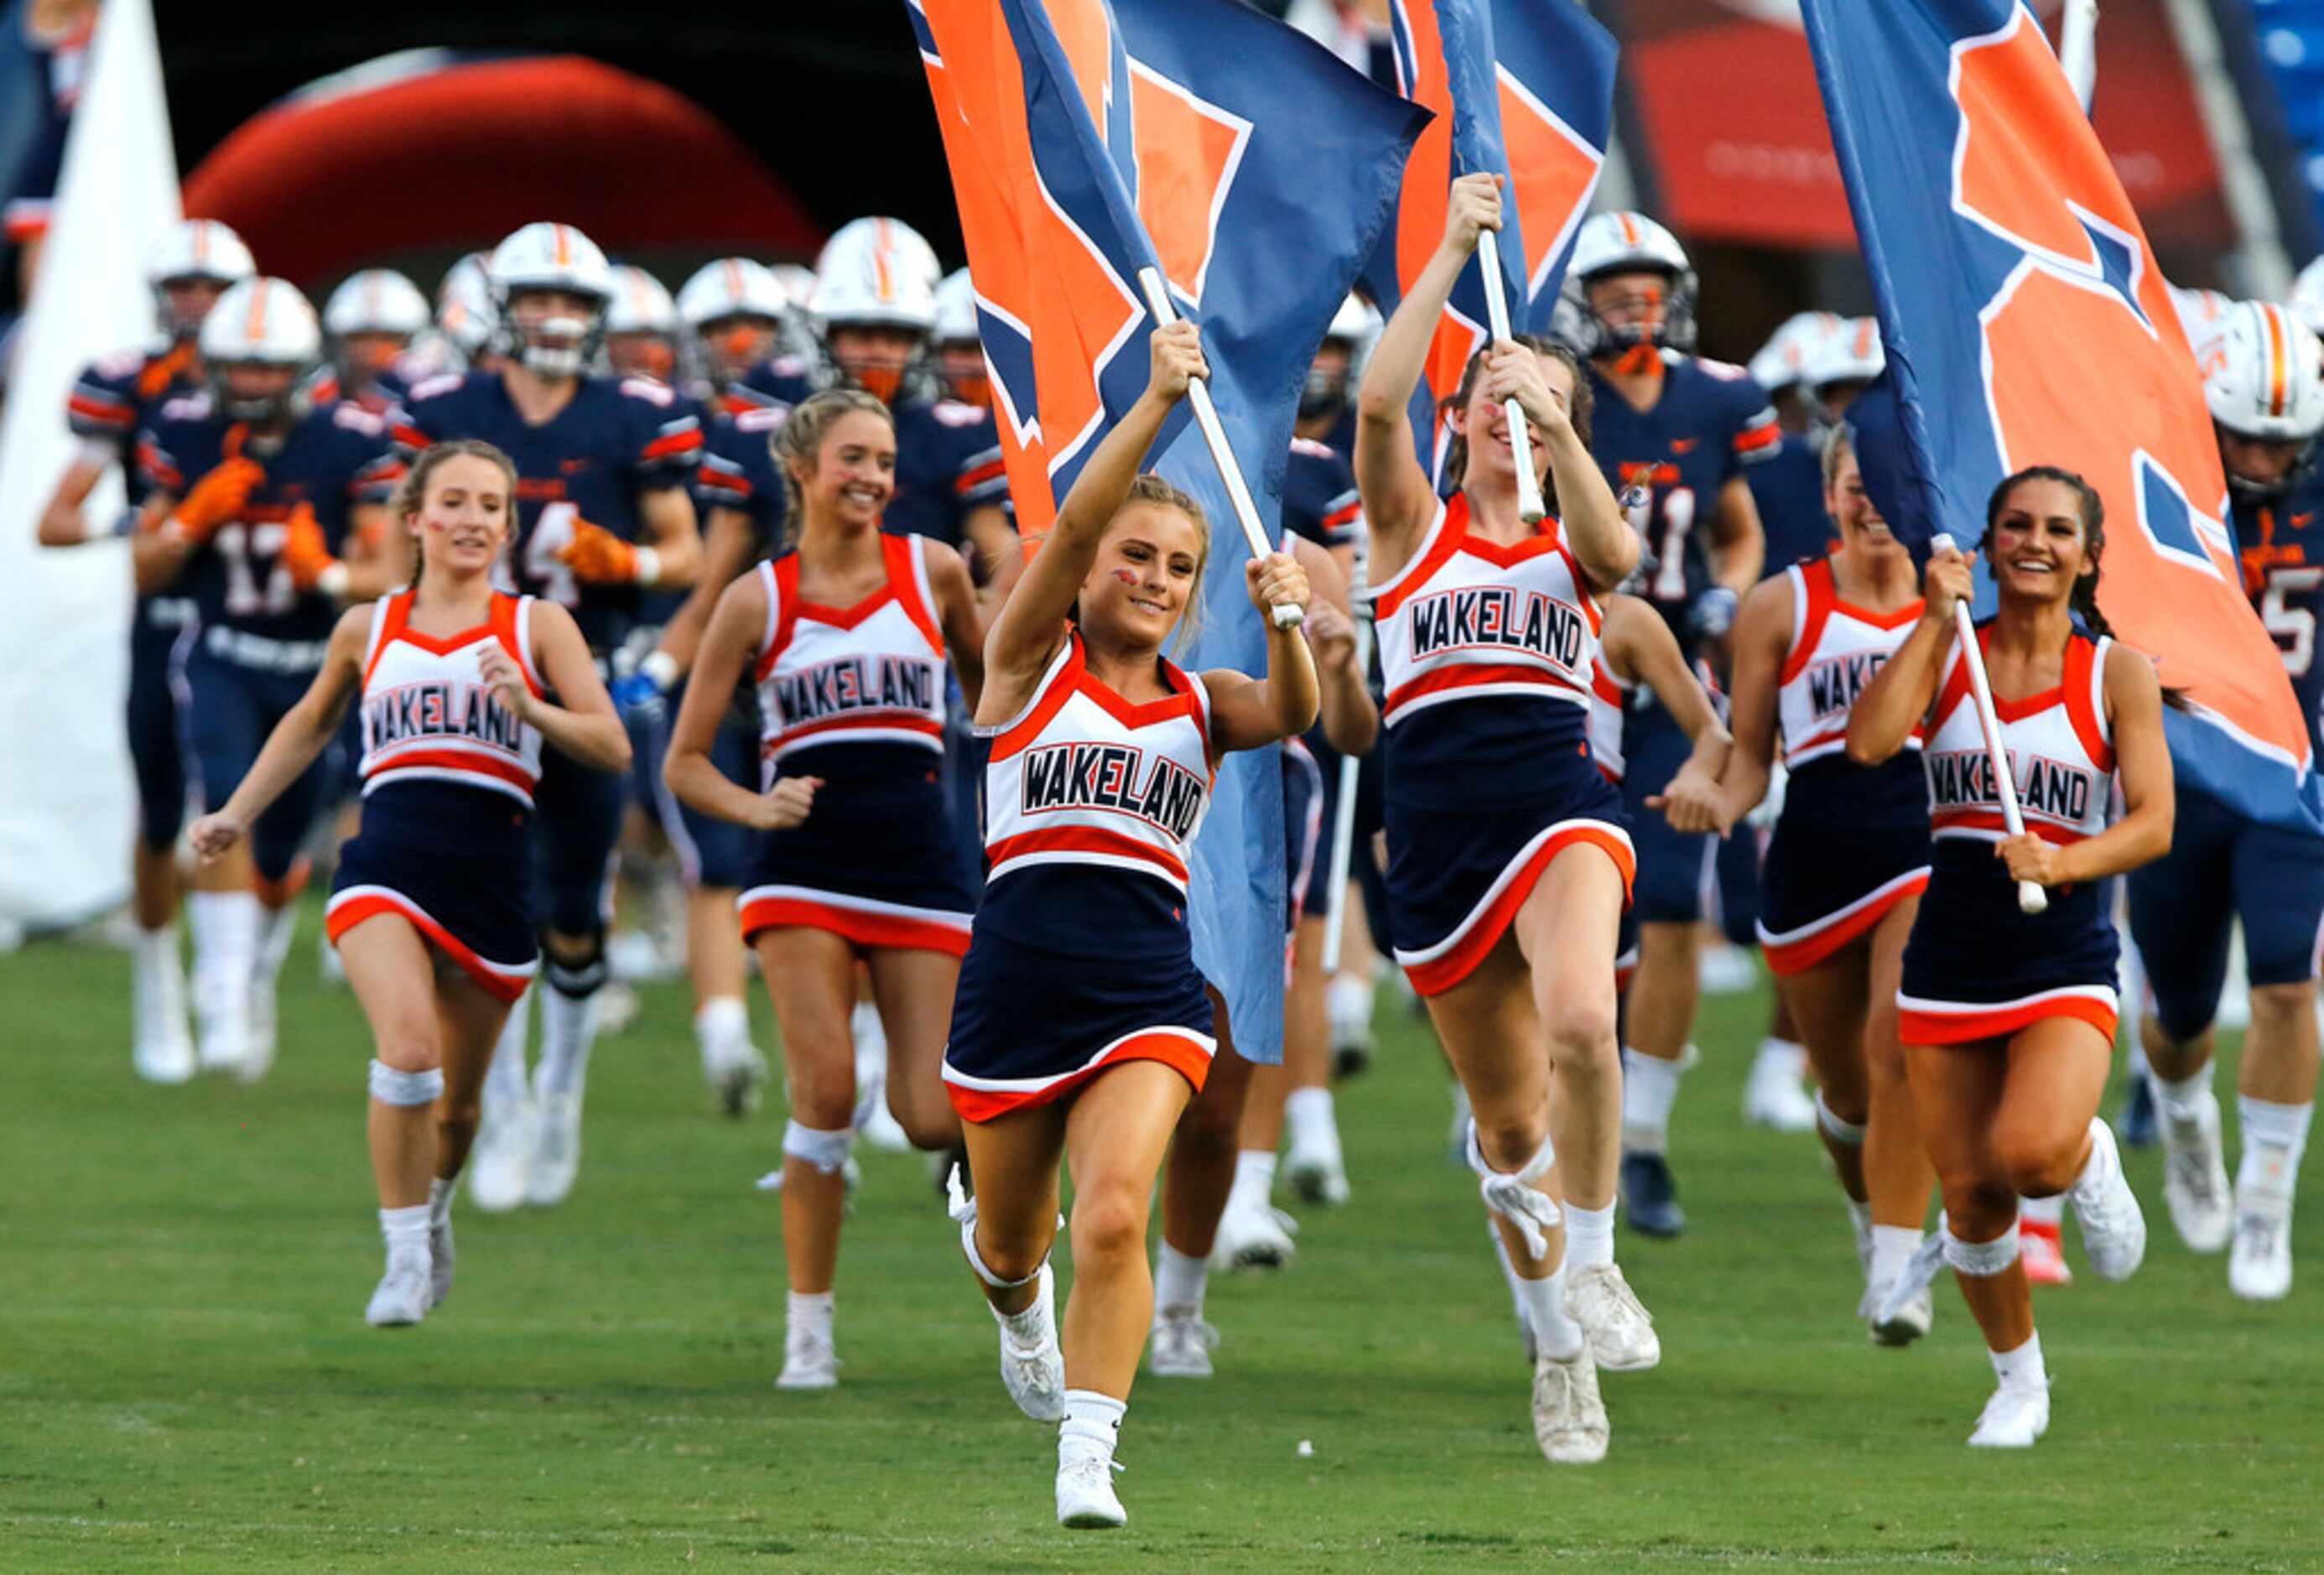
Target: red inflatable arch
446, 153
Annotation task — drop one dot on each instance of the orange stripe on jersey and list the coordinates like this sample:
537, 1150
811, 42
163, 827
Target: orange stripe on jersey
1968, 1024
1044, 711
674, 443
1452, 531
351, 908
856, 721
1816, 579
1484, 932
902, 556
1082, 839
1991, 820
461, 760
1176, 1048
1751, 439
859, 927
2080, 659
1470, 675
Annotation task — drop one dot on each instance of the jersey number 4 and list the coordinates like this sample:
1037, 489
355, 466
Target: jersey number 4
552, 533
256, 581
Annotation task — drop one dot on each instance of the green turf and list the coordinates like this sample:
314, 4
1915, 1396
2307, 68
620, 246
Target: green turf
186, 1380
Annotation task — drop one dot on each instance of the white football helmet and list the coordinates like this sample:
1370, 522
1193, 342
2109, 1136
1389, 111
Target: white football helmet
1850, 355
2203, 317
263, 322
463, 305
877, 272
1783, 361
956, 309
194, 249
1625, 242
1357, 326
375, 301
2308, 296
2269, 383
731, 287
541, 256
641, 304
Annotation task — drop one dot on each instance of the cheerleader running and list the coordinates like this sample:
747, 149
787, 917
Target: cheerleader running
845, 637
1082, 1027
1508, 866
429, 910
1848, 863
2007, 1018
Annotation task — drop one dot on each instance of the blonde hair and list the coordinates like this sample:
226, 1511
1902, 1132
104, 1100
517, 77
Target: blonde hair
411, 492
802, 433
1150, 488
1838, 444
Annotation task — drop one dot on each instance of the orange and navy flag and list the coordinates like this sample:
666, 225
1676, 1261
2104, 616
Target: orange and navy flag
1524, 87
2026, 323
1089, 139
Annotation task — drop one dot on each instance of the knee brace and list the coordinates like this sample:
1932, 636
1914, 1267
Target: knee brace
1983, 1259
391, 1087
827, 1151
1511, 1194
581, 980
963, 1209
1847, 1134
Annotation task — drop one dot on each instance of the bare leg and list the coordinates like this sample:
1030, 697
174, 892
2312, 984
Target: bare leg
914, 991
810, 976
1115, 1135
394, 978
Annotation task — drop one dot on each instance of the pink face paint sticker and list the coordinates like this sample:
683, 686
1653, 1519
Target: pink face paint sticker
1126, 577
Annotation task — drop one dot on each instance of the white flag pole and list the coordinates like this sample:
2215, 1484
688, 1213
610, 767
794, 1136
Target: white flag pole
1496, 320
2030, 898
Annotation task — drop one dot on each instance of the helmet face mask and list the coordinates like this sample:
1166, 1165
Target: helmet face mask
2260, 470
194, 263
264, 394
1610, 248
552, 333
876, 357
180, 304
731, 345
1328, 377
261, 345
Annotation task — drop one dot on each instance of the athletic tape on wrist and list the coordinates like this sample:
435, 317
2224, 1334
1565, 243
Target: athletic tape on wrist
1511, 1194
1843, 1132
827, 1151
391, 1087
1982, 1259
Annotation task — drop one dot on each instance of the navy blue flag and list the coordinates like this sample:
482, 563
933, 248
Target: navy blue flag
1088, 141
2026, 323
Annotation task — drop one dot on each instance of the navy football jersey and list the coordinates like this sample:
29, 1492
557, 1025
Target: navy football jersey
2282, 544
616, 441
1319, 496
738, 470
1668, 464
332, 459
115, 396
1789, 490
947, 453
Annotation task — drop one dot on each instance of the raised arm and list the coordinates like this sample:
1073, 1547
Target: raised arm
1248, 714
1593, 525
1351, 719
304, 733
582, 722
1025, 634
1901, 693
1398, 496
1762, 640
2133, 702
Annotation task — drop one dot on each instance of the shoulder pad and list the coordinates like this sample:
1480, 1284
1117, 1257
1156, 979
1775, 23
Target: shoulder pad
1313, 449
762, 419
352, 415
647, 390
790, 364
1725, 371
955, 413
187, 407
120, 363
435, 387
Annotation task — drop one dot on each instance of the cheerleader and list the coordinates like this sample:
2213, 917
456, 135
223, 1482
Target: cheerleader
1508, 866
1848, 863
1082, 1027
845, 637
428, 908
2007, 1018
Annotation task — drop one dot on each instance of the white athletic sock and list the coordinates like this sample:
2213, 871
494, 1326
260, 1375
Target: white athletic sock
440, 1193
1649, 1090
1308, 1109
1556, 1333
406, 1230
1092, 1423
568, 1028
2182, 1101
1254, 1178
1893, 1247
2022, 1367
1179, 1282
2274, 1137
2046, 1213
1859, 1215
1589, 1236
1788, 1055
1348, 1002
871, 1035
720, 1021
154, 955
276, 926
226, 926
804, 1311
504, 1081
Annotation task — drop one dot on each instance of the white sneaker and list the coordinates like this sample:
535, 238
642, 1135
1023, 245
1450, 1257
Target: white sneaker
878, 1126
1182, 1345
2113, 1229
874, 1123
1252, 1236
2017, 1415
1315, 1167
810, 1360
258, 1050
503, 1156
439, 1260
1086, 1500
2195, 1179
1620, 1331
1569, 1418
1771, 1094
1905, 1322
735, 1072
1034, 1374
223, 1040
2259, 1268
556, 1151
402, 1299
165, 1048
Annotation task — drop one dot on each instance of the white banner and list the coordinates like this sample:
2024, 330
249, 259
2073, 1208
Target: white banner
67, 805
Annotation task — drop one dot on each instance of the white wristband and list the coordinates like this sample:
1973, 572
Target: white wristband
333, 581
661, 668
648, 566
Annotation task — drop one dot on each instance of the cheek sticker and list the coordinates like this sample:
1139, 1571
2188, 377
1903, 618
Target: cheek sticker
1126, 577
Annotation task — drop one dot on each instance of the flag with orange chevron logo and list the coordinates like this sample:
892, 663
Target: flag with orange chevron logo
2026, 323
1090, 139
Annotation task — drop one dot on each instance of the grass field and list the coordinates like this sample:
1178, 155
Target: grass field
186, 1380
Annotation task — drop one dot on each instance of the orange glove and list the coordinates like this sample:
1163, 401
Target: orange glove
218, 497
309, 558
599, 558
